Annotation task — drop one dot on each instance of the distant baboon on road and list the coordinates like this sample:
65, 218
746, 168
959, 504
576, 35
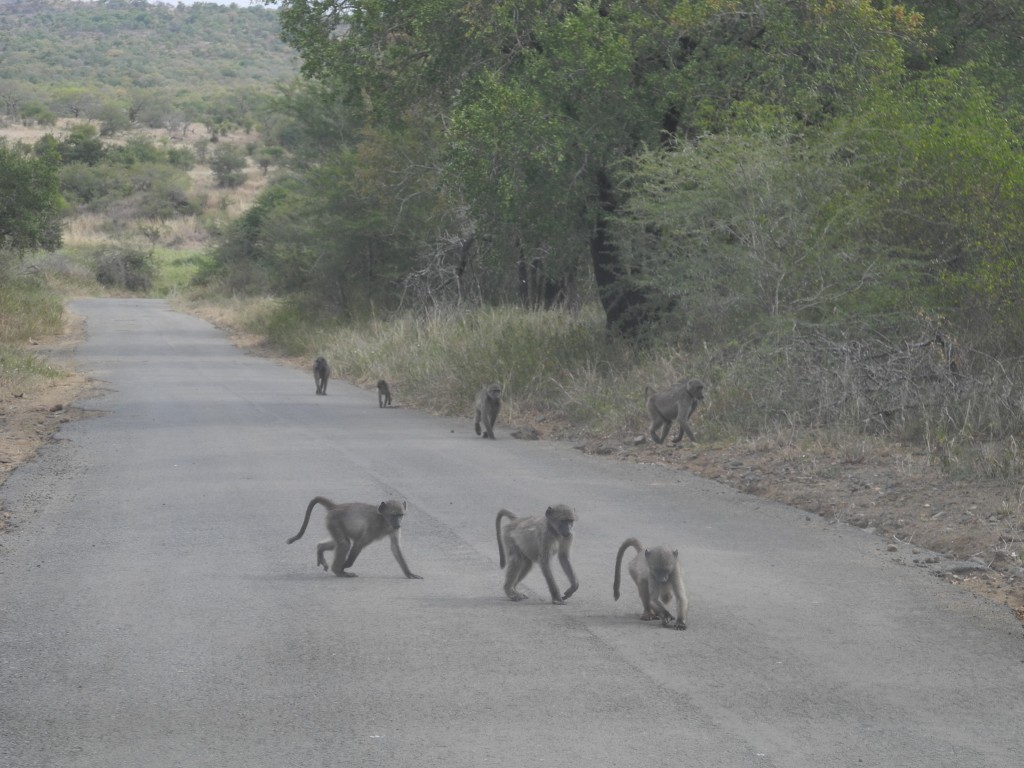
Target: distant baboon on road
353, 526
679, 402
383, 394
321, 373
530, 540
488, 403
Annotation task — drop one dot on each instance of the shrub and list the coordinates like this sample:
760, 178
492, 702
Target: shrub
124, 267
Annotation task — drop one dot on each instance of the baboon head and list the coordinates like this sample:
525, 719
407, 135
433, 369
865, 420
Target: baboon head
393, 512
561, 518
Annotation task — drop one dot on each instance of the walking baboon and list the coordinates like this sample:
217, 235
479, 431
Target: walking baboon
488, 403
353, 526
679, 402
532, 540
658, 578
321, 373
383, 393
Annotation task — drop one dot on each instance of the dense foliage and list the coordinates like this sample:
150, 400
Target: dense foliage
126, 62
30, 200
715, 164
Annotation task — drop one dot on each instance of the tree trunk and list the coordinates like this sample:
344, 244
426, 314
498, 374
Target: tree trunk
630, 308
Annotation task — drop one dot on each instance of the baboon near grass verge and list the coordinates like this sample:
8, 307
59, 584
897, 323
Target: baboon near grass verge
383, 394
679, 402
488, 403
321, 373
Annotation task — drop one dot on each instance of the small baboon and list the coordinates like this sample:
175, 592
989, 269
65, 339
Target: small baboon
488, 403
383, 394
679, 402
658, 578
532, 540
353, 526
321, 373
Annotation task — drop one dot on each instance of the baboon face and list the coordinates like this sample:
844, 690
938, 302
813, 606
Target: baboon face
696, 390
392, 513
661, 564
562, 519
494, 392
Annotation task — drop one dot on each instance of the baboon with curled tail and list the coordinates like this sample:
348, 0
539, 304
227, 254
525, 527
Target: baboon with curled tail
658, 579
529, 540
355, 525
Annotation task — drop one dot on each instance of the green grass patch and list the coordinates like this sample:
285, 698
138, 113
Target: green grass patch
21, 371
175, 269
28, 309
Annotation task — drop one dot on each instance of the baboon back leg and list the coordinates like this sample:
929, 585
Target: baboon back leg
341, 555
516, 570
324, 546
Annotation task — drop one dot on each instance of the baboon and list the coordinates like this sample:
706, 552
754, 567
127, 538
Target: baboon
532, 540
353, 526
679, 402
488, 403
658, 578
321, 373
383, 394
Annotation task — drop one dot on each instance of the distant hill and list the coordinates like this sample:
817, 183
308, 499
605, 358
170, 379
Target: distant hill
198, 62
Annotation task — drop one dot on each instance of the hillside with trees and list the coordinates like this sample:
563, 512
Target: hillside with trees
126, 62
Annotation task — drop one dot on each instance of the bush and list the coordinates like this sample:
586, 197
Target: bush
123, 267
228, 165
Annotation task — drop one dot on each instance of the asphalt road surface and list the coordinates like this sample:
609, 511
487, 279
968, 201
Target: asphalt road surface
151, 613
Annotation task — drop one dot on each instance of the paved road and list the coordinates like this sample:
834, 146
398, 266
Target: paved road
151, 613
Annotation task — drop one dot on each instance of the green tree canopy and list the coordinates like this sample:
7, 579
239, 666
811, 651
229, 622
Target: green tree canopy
30, 201
539, 105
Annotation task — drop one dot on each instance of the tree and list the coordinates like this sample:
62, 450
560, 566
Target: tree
82, 145
30, 201
228, 165
538, 105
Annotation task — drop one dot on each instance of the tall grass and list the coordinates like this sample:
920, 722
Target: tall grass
28, 310
552, 365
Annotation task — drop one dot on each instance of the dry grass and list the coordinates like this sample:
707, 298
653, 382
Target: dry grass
218, 205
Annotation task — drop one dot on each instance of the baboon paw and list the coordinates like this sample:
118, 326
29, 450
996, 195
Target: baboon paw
558, 601
347, 575
680, 625
414, 576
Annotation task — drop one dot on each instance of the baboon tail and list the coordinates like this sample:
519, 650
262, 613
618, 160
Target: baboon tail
635, 543
305, 521
497, 529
